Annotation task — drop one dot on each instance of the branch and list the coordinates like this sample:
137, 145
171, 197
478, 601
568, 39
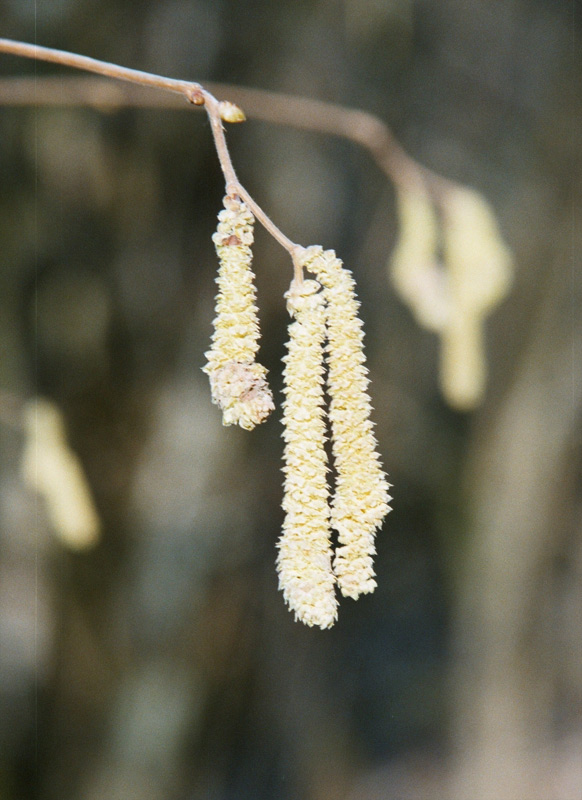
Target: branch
36, 52
234, 186
451, 268
360, 127
193, 92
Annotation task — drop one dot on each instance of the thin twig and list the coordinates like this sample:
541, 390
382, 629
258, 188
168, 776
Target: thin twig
87, 64
192, 91
360, 127
233, 185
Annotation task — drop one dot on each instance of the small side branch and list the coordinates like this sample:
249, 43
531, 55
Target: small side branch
362, 128
233, 185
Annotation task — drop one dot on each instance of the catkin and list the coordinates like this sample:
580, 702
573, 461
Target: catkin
304, 561
361, 495
326, 330
237, 382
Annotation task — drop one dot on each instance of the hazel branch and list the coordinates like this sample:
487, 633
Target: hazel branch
187, 88
233, 185
360, 127
192, 91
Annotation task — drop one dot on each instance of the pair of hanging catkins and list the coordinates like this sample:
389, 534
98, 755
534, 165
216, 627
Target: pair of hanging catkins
326, 334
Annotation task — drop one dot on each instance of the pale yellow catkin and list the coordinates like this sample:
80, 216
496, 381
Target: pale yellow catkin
480, 270
238, 383
415, 269
304, 561
50, 467
361, 495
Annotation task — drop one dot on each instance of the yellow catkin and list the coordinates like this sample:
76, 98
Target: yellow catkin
238, 383
361, 493
479, 267
415, 270
52, 468
304, 561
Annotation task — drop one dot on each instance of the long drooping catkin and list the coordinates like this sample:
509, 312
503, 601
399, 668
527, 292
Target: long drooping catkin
237, 381
324, 310
304, 561
361, 493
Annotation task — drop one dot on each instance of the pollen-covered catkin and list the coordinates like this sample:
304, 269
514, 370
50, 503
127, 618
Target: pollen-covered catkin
361, 493
304, 560
238, 383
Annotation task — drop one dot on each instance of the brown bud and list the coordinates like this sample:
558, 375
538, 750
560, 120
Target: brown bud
196, 97
231, 241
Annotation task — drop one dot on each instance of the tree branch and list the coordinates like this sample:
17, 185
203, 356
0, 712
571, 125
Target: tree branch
193, 92
360, 127
36, 52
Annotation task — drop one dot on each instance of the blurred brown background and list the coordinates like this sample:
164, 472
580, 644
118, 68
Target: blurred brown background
162, 664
